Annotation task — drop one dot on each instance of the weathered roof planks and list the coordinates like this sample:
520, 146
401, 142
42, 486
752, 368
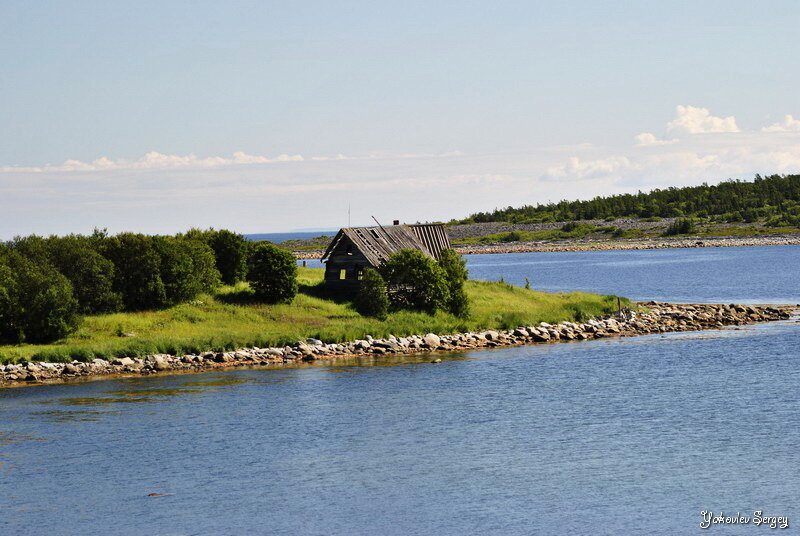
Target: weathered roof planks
377, 244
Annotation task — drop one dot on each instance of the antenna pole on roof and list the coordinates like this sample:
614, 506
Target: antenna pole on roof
379, 223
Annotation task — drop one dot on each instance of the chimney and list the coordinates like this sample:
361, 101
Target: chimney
396, 222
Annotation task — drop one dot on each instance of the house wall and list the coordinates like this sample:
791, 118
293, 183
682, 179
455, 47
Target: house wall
345, 260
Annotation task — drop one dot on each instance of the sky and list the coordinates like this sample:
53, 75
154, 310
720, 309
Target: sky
262, 116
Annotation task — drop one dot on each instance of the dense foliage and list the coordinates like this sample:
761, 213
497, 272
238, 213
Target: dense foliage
230, 252
372, 298
456, 274
36, 302
272, 273
774, 199
415, 281
46, 282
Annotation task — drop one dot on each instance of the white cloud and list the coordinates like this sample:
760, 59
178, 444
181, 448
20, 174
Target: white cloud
789, 124
693, 120
154, 160
580, 169
647, 139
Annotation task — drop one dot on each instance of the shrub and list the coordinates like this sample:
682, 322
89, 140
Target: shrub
456, 274
415, 281
511, 236
273, 273
372, 298
680, 226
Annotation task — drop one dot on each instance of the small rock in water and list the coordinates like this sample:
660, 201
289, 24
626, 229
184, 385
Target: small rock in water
437, 360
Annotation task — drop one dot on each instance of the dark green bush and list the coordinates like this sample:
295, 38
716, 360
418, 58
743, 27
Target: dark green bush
456, 274
272, 273
511, 236
680, 226
415, 281
372, 298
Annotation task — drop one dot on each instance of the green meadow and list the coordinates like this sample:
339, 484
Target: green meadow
230, 319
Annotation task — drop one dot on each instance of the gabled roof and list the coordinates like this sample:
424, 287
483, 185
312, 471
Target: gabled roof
377, 244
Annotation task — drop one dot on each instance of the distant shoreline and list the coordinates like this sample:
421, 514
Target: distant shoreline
609, 245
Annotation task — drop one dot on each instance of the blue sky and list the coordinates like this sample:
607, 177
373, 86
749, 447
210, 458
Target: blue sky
262, 116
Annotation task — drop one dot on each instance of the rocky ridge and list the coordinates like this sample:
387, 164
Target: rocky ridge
659, 318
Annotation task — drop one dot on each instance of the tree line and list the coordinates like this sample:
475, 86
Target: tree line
47, 283
774, 199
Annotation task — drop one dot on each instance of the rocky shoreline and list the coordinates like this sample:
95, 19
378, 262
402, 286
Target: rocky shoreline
630, 244
607, 245
659, 318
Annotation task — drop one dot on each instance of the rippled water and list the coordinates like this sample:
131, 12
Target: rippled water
764, 274
628, 436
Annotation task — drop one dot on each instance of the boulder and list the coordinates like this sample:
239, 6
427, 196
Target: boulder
432, 340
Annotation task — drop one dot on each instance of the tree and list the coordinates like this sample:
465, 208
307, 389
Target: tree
207, 276
273, 273
9, 326
137, 271
187, 268
372, 298
415, 281
456, 274
230, 252
91, 274
36, 301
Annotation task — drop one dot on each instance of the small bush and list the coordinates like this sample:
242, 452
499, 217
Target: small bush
511, 236
372, 298
273, 274
680, 226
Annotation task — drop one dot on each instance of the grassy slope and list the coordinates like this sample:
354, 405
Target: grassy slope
229, 320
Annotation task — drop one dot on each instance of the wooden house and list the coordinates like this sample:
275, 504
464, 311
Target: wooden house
355, 248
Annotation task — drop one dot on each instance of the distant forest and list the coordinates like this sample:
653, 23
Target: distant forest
775, 200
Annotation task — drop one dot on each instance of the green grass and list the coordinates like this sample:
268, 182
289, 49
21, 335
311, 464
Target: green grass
230, 319
747, 231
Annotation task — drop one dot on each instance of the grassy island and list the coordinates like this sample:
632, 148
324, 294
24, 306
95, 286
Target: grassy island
230, 318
